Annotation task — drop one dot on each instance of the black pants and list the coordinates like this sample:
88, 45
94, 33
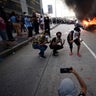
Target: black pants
9, 30
36, 27
77, 42
55, 48
47, 30
30, 31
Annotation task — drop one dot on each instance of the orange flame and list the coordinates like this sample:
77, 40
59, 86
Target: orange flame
87, 23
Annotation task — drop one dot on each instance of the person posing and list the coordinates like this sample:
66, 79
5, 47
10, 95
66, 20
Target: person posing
40, 43
56, 43
74, 36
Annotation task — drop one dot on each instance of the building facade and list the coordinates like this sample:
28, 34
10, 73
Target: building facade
19, 6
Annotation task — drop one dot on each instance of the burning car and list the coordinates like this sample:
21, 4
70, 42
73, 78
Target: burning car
90, 24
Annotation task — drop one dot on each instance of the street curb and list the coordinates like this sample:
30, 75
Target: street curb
53, 27
14, 49
17, 47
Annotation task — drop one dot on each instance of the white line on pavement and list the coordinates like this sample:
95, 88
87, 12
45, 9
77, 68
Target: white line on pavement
94, 55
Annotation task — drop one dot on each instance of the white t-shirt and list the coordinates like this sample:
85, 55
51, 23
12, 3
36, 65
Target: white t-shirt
75, 35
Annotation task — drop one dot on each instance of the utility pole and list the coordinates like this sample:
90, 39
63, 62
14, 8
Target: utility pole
55, 9
41, 7
24, 6
42, 13
55, 12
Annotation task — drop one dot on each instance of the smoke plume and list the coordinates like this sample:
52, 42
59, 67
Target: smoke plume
84, 9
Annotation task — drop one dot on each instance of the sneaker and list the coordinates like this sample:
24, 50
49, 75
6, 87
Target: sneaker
55, 54
78, 54
70, 54
39, 54
43, 56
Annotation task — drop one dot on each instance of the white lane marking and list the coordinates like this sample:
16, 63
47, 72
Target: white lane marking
94, 55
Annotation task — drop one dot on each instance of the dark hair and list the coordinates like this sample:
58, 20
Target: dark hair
58, 33
12, 13
77, 29
54, 39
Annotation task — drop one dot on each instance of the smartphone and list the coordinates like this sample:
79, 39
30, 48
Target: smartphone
65, 70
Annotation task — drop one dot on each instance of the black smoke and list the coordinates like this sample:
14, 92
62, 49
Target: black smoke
84, 9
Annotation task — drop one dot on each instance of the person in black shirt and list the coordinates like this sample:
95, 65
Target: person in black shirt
57, 43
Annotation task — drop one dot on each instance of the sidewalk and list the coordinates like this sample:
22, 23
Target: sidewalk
20, 42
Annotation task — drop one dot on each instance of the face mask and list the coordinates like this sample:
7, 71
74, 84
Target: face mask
46, 36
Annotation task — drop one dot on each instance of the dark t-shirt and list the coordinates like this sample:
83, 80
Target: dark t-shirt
82, 94
70, 35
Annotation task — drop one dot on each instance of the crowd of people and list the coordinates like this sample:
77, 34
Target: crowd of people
67, 86
24, 22
57, 43
19, 23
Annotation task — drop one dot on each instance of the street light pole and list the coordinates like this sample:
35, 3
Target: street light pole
55, 9
55, 12
42, 13
41, 7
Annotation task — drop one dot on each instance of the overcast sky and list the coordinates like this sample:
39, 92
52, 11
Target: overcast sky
61, 8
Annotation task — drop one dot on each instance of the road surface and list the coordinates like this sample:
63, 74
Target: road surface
24, 73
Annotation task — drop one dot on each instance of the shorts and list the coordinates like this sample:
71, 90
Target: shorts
77, 42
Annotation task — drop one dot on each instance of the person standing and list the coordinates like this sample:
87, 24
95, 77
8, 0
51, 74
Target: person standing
47, 25
16, 25
9, 26
41, 22
2, 29
35, 23
28, 25
74, 36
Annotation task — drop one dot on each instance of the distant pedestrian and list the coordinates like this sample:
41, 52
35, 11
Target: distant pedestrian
74, 36
9, 26
47, 25
68, 86
41, 22
28, 25
3, 29
35, 20
16, 25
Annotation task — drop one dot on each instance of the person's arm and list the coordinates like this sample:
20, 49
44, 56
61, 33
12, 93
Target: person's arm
63, 42
81, 81
70, 38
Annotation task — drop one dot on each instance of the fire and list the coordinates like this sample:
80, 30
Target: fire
87, 23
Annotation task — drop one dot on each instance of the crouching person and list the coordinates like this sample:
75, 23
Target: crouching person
40, 43
56, 43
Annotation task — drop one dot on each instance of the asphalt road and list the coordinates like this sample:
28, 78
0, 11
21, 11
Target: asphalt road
26, 74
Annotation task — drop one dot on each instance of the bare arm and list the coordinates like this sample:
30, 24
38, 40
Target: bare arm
81, 81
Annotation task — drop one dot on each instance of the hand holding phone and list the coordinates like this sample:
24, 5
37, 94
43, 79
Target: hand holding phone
65, 70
